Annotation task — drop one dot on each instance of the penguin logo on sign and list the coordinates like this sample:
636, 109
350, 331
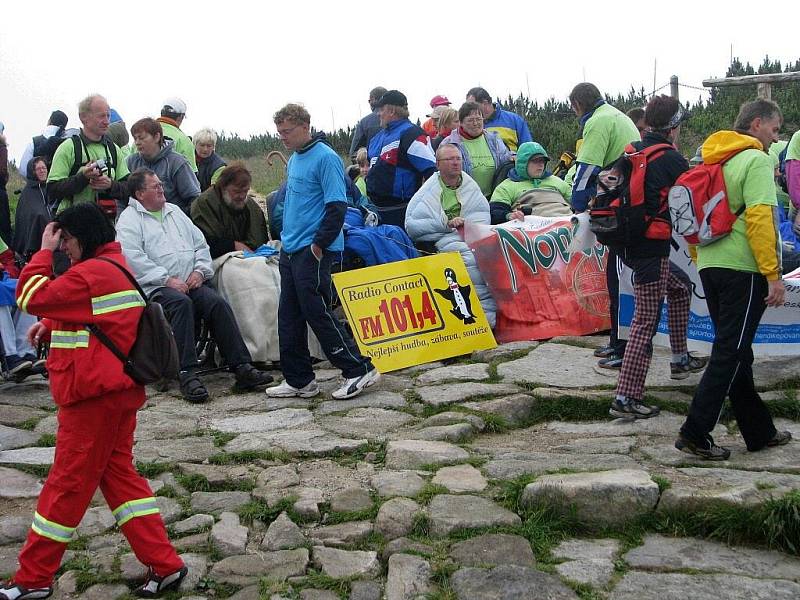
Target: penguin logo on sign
458, 295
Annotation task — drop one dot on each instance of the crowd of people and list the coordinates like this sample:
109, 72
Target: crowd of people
165, 206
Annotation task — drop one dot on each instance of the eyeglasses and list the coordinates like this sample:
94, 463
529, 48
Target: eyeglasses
286, 132
155, 186
473, 120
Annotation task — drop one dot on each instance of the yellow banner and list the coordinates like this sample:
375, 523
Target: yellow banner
414, 311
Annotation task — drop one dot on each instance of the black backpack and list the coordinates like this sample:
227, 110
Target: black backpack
78, 145
46, 146
154, 354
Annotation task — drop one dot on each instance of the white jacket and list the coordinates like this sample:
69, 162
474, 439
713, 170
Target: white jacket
426, 222
156, 251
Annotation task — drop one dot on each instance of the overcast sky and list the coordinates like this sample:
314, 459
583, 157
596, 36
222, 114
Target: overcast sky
235, 63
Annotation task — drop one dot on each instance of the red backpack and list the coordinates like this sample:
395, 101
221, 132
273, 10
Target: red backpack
698, 204
618, 215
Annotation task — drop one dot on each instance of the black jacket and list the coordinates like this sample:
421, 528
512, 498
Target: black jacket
34, 212
660, 176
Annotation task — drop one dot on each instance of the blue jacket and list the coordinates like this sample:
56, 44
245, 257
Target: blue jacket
511, 128
400, 157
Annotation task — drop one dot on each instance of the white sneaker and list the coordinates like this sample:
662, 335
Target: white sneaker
284, 390
355, 385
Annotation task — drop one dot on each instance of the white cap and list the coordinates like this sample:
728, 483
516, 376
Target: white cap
174, 105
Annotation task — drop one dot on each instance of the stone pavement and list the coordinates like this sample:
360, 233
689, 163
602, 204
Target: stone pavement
497, 476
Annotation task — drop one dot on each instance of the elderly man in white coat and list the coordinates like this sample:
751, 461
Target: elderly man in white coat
171, 261
441, 206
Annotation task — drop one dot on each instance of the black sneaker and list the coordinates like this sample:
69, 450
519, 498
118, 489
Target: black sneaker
249, 378
614, 361
632, 409
691, 364
12, 591
713, 452
781, 438
154, 585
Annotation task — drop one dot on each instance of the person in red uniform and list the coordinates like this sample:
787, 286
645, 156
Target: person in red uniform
97, 404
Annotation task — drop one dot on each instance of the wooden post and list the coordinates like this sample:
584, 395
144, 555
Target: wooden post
673, 87
763, 83
765, 91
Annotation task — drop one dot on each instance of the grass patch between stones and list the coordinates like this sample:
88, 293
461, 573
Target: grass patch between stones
198, 483
248, 456
35, 470
151, 470
316, 580
258, 510
46, 440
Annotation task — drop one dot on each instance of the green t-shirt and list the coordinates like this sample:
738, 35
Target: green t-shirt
509, 191
482, 162
158, 214
3, 246
450, 203
605, 136
793, 152
750, 181
64, 159
182, 144
774, 153
361, 184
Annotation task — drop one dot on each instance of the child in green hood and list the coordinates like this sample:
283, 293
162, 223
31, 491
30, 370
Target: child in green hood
530, 189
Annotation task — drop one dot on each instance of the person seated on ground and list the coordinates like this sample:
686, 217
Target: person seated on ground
230, 219
482, 151
448, 121
171, 261
209, 163
20, 357
530, 189
34, 211
157, 154
439, 209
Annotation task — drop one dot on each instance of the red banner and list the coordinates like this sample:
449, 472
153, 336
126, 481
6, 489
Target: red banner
542, 289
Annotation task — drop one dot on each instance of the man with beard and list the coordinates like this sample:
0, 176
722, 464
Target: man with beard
230, 219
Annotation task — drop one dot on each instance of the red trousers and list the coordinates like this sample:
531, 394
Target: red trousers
94, 448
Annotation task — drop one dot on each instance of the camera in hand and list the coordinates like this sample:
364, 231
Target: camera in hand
102, 166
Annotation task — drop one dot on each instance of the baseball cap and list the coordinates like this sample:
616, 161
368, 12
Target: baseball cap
393, 97
439, 101
175, 105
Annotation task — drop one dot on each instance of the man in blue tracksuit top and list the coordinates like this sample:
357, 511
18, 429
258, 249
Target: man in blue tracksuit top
313, 216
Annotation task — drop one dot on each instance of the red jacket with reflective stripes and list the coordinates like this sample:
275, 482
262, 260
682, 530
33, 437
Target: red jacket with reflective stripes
89, 292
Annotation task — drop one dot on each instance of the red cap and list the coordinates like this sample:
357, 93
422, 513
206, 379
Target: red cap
439, 101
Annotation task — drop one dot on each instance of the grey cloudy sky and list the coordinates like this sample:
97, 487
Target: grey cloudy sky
234, 63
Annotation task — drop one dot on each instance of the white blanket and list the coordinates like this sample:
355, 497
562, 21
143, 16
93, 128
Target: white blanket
252, 287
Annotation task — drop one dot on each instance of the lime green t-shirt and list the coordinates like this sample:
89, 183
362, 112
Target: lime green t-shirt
158, 214
182, 144
605, 136
509, 191
361, 184
450, 203
774, 153
750, 181
3, 246
64, 159
793, 151
482, 162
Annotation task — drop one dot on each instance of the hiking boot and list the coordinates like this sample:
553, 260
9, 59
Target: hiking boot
154, 585
613, 361
355, 385
284, 390
12, 591
192, 388
632, 409
713, 452
781, 438
604, 351
690, 364
249, 378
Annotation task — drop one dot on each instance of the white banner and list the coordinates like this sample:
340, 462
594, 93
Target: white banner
777, 335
